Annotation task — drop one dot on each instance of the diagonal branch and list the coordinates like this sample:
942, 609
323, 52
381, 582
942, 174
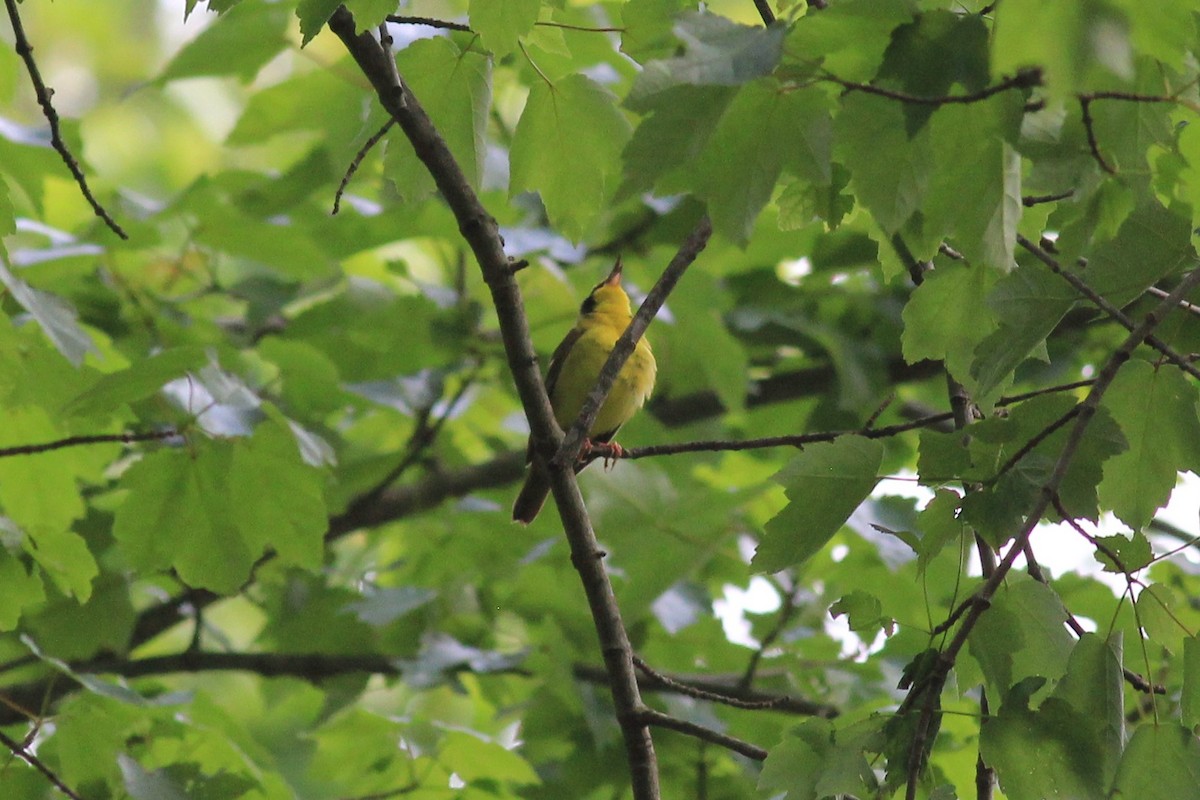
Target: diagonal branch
929, 690
1108, 308
43, 92
482, 234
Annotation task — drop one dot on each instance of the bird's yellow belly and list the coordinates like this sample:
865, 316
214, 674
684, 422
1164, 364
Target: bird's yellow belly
579, 373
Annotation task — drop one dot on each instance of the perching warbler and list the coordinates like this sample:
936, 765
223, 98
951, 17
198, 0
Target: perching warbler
574, 368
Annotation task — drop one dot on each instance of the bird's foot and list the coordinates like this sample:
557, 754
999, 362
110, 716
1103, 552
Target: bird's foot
609, 451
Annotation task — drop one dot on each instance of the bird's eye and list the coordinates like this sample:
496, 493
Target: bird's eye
589, 305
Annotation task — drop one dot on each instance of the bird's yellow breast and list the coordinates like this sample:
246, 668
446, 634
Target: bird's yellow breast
582, 366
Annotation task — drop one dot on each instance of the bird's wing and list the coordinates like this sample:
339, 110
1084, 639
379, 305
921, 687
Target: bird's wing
558, 357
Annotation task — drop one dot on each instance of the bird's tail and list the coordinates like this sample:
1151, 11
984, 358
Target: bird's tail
533, 494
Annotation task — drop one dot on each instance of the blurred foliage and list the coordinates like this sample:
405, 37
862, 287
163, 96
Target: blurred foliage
231, 606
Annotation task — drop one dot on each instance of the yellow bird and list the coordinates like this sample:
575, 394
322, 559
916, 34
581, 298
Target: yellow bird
574, 368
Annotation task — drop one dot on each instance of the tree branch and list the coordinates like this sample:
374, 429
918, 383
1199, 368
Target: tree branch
44, 93
981, 600
78, 441
482, 234
1108, 308
661, 720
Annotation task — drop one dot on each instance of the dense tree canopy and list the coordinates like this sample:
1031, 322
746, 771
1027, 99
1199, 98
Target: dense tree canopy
275, 274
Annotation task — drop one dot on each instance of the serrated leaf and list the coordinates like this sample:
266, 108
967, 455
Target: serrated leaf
567, 147
1124, 554
756, 121
454, 87
1158, 615
1022, 635
889, 169
64, 557
501, 25
19, 589
177, 515
849, 37
239, 43
648, 28
681, 121
1041, 753
825, 484
40, 490
947, 317
1029, 303
279, 499
939, 525
863, 612
1156, 410
313, 14
1150, 245
975, 199
1094, 685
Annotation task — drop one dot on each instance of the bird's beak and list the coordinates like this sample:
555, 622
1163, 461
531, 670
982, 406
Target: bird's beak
614, 277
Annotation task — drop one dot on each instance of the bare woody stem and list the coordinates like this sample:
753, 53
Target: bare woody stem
481, 233
44, 93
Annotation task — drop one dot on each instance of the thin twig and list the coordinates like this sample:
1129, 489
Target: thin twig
1108, 308
429, 22
44, 93
357, 162
78, 441
1029, 201
661, 720
19, 750
1024, 79
1089, 127
764, 11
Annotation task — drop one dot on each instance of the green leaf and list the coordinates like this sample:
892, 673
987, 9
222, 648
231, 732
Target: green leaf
501, 25
474, 759
1043, 752
39, 491
141, 379
825, 484
947, 317
940, 525
863, 612
1131, 553
53, 314
1158, 609
1150, 245
63, 555
279, 499
19, 589
567, 147
1094, 685
681, 122
1054, 36
238, 43
759, 118
849, 37
1189, 699
975, 198
454, 87
816, 761
1161, 762
717, 52
889, 169
369, 14
1029, 303
648, 28
1022, 635
1156, 410
177, 515
313, 14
